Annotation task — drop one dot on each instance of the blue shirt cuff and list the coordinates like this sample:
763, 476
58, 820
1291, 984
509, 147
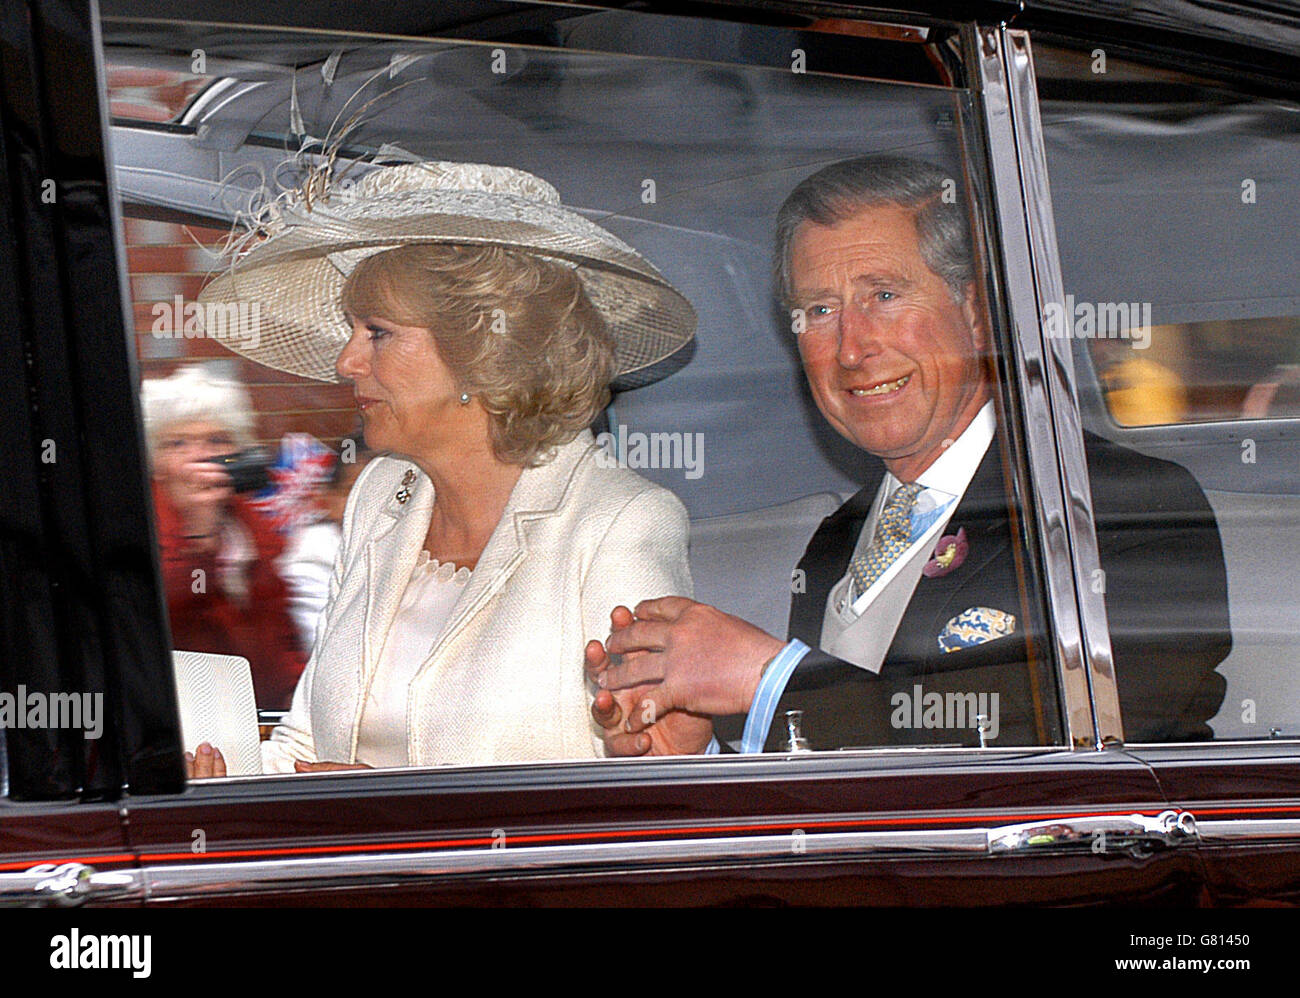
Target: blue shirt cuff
713, 748
768, 695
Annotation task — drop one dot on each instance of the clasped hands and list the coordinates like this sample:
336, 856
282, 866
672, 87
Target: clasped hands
670, 667
664, 673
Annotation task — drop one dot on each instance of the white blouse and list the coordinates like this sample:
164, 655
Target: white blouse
426, 606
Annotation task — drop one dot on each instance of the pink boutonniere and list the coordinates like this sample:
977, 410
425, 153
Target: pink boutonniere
949, 553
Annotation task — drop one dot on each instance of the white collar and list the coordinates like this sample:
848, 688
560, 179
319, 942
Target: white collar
953, 470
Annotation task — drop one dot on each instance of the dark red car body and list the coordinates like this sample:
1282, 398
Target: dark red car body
114, 822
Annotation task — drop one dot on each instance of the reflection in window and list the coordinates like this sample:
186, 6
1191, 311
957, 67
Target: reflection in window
1202, 372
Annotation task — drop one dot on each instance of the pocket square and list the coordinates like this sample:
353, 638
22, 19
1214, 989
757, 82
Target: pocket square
975, 626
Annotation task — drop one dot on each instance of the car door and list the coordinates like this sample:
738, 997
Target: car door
1067, 816
87, 705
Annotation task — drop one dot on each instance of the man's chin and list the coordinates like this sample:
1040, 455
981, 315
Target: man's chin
886, 446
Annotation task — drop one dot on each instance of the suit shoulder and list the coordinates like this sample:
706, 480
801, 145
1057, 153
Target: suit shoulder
609, 489
1124, 479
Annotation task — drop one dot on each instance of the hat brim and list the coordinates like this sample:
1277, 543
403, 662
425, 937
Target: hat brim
281, 298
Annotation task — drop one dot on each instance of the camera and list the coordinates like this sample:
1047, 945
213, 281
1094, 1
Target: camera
248, 469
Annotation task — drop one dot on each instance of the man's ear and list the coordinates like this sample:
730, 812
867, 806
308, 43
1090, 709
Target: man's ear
974, 312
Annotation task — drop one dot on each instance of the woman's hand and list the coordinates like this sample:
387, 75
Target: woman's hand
676, 733
301, 766
204, 763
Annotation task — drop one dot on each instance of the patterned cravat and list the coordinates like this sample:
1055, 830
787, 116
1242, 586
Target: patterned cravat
892, 537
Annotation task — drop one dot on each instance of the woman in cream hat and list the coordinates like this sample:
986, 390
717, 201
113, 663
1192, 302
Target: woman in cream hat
480, 324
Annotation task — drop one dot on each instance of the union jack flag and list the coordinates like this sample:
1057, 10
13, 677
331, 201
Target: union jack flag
297, 476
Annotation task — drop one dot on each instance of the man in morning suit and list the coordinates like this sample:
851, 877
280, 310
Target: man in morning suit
922, 582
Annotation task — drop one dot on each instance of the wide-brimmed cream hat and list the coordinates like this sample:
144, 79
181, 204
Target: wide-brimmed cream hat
289, 284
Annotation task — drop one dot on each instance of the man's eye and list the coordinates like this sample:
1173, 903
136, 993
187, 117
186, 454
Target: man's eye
818, 311
378, 332
886, 295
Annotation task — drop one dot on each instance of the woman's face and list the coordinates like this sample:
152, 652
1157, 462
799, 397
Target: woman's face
408, 399
181, 444
179, 462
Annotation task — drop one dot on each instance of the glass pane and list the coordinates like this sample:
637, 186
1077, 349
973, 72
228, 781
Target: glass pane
683, 153
1170, 194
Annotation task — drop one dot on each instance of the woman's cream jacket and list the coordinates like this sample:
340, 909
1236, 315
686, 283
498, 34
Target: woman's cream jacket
505, 681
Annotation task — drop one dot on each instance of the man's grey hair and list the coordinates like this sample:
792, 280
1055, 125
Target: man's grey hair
839, 191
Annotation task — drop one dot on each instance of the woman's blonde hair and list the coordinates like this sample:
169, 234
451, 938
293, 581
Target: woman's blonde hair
516, 331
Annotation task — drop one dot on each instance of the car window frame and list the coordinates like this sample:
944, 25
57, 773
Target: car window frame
1036, 480
1005, 227
993, 92
1018, 160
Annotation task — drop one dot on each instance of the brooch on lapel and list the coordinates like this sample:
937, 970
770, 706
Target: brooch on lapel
948, 555
404, 493
974, 627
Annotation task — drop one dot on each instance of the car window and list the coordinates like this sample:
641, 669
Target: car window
1171, 193
682, 141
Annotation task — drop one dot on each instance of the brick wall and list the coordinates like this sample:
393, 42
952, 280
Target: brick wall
165, 259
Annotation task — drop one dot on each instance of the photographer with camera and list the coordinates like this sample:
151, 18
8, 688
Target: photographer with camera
218, 552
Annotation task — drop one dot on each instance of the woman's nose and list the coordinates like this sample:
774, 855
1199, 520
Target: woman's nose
350, 363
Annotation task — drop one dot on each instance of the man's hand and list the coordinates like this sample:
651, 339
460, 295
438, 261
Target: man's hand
301, 766
204, 763
674, 733
696, 658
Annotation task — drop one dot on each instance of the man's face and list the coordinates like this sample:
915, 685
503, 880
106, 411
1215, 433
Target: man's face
893, 361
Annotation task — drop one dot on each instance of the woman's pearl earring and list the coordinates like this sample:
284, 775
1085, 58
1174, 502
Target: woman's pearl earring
464, 398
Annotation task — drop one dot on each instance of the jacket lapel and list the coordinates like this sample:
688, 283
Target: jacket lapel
982, 513
391, 554
538, 495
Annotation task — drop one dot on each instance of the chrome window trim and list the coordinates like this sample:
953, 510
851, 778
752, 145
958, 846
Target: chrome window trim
1282, 747
63, 885
1232, 832
1010, 114
1046, 259
432, 866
